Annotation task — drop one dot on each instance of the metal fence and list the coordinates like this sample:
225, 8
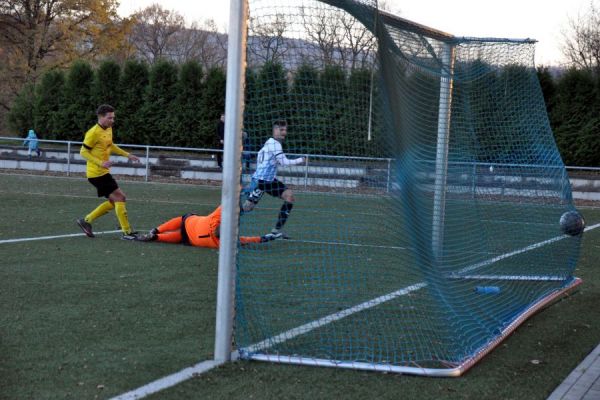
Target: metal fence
339, 173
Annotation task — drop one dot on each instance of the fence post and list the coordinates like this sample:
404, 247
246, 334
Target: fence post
387, 186
473, 177
147, 161
69, 158
306, 172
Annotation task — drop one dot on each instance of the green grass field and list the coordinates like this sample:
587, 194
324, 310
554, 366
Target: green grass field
93, 318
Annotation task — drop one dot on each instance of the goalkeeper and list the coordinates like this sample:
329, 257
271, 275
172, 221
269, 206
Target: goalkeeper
196, 230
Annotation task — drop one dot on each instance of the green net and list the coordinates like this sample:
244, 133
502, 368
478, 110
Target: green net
425, 221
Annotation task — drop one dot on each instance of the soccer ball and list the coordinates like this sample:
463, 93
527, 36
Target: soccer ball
572, 223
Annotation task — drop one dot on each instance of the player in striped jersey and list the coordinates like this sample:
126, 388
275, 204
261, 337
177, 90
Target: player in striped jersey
264, 178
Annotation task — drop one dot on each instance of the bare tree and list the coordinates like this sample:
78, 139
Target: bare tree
387, 5
155, 32
201, 42
268, 43
323, 28
581, 44
340, 38
357, 42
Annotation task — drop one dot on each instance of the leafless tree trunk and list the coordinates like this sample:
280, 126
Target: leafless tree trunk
268, 43
323, 28
155, 32
357, 42
581, 44
200, 42
339, 37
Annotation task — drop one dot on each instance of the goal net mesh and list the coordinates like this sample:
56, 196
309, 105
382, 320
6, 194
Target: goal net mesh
426, 217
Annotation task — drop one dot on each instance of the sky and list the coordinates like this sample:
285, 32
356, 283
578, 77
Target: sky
543, 20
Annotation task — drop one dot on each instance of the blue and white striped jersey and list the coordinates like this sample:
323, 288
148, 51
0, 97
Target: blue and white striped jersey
269, 157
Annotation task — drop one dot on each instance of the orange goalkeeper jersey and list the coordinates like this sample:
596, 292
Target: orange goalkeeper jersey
201, 230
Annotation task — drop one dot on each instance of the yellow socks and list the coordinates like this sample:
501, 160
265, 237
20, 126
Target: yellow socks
122, 216
99, 211
105, 207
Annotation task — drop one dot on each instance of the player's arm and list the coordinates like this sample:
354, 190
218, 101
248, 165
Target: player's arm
283, 160
86, 149
114, 149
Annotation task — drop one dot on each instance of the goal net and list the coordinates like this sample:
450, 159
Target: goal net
425, 226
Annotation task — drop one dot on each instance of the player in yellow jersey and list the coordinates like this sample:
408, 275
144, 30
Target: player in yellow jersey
96, 149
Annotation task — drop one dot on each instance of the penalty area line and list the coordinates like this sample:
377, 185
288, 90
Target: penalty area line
53, 237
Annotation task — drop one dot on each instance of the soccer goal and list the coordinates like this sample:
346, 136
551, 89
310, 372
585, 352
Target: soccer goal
425, 222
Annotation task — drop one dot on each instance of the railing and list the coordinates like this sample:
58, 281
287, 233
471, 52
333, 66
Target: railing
318, 170
323, 167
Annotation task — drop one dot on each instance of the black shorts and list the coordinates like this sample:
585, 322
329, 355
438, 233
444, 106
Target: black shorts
259, 187
105, 185
185, 239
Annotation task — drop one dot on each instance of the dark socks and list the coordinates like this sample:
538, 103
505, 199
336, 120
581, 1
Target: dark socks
284, 213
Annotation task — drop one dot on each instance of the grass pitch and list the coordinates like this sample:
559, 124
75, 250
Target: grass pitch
88, 318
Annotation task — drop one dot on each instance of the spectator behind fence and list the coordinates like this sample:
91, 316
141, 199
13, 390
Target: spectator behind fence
31, 141
247, 151
221, 139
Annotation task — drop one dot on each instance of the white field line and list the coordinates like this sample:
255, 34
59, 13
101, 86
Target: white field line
53, 237
292, 333
168, 381
509, 277
372, 303
519, 251
75, 196
183, 375
82, 179
195, 204
347, 244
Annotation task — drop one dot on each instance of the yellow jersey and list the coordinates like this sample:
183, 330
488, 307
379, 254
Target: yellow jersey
97, 148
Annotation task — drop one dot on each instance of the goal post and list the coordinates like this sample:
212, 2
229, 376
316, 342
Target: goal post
422, 227
230, 191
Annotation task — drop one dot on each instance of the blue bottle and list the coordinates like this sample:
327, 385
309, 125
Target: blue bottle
487, 289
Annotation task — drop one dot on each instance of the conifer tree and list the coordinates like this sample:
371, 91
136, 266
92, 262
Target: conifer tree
159, 110
189, 107
134, 83
213, 104
20, 117
106, 84
78, 110
48, 102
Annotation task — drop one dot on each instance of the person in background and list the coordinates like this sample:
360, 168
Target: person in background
221, 139
246, 151
32, 143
